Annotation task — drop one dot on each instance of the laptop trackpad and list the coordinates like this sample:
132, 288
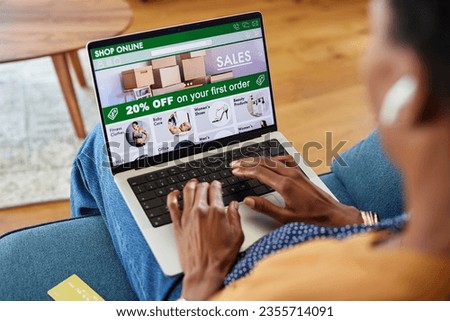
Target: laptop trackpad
254, 224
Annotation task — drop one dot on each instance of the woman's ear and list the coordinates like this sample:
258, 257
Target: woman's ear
406, 101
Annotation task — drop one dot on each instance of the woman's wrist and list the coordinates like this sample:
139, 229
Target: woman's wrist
344, 215
201, 286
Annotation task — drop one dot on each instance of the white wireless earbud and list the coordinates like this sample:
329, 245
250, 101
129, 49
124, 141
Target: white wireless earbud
396, 99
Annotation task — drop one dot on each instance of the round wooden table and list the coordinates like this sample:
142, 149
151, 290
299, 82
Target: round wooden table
58, 28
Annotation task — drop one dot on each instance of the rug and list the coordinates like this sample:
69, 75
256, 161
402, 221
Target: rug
37, 139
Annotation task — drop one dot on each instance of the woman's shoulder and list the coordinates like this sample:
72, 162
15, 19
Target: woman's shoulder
350, 269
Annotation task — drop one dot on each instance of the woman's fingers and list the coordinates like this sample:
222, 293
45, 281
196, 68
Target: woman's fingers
201, 197
189, 194
262, 174
215, 194
266, 207
174, 209
283, 167
288, 160
234, 218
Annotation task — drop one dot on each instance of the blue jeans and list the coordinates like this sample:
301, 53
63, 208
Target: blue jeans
93, 192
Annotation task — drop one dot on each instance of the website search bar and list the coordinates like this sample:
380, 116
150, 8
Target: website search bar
181, 48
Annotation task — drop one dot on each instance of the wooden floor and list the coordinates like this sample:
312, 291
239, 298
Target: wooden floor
314, 52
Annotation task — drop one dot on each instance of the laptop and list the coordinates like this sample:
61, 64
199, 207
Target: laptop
183, 102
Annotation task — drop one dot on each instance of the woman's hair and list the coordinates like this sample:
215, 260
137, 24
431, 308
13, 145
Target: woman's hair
424, 25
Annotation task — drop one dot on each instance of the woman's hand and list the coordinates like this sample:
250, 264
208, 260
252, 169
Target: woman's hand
305, 202
208, 237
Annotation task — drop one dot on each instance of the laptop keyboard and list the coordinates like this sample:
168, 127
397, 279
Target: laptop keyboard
152, 189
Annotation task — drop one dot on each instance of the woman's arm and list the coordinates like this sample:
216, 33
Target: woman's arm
174, 129
147, 136
305, 202
208, 237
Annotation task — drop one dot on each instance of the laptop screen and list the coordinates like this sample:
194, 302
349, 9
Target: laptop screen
175, 88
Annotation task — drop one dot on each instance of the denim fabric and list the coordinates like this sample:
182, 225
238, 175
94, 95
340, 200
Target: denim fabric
371, 180
94, 191
34, 260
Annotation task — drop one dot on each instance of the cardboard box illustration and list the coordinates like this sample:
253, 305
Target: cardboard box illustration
193, 68
197, 81
167, 76
164, 62
137, 77
193, 54
221, 77
168, 89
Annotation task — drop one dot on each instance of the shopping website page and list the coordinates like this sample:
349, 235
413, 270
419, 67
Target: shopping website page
179, 90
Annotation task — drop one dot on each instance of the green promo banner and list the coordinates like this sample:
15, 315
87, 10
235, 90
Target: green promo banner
183, 98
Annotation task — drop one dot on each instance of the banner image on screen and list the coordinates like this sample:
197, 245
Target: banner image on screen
178, 90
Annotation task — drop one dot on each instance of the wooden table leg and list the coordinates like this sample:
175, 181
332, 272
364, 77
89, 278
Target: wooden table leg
73, 55
62, 70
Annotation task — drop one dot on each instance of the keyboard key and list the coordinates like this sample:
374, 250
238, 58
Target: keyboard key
203, 171
242, 179
173, 171
138, 180
155, 212
232, 180
261, 190
232, 189
156, 202
243, 186
193, 173
183, 177
225, 192
254, 183
195, 164
160, 220
146, 196
162, 182
139, 189
225, 173
163, 174
180, 186
236, 154
152, 176
171, 188
161, 192
172, 180
239, 197
182, 167
215, 177
275, 151
242, 194
151, 186
250, 150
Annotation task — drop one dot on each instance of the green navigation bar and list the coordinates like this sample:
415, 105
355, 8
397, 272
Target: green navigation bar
156, 42
183, 98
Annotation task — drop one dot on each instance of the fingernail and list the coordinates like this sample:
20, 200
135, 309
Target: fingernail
217, 183
235, 171
250, 202
234, 163
235, 205
248, 164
